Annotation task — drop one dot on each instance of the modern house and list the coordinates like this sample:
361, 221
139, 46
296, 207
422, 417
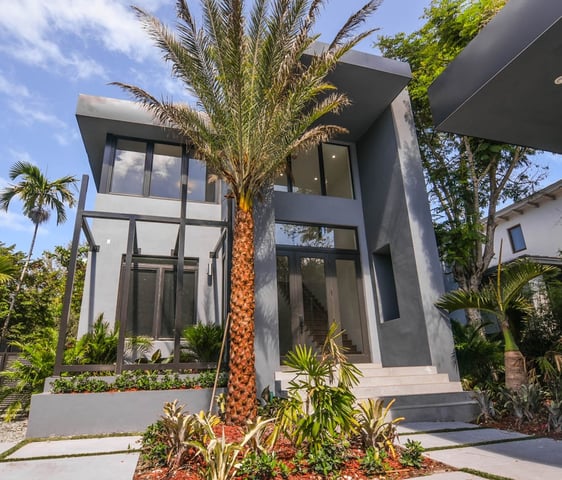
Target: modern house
344, 235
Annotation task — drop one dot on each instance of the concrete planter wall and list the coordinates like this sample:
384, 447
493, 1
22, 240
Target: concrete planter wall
108, 412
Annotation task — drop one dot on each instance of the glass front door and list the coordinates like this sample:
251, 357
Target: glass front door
314, 290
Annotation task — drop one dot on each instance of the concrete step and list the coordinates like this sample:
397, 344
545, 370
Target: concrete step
437, 378
406, 389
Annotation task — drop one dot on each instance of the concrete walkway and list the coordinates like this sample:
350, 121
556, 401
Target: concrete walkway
507, 455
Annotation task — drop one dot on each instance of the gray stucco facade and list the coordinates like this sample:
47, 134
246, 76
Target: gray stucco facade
394, 253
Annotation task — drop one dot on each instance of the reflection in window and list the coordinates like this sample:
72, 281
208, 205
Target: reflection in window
166, 171
319, 171
128, 167
155, 170
200, 188
315, 236
516, 238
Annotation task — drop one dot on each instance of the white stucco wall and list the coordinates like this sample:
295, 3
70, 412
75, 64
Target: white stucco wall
541, 226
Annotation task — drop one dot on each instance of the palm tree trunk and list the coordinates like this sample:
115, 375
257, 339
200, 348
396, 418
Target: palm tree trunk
514, 361
241, 402
18, 287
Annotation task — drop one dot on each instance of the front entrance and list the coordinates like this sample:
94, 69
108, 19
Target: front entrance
316, 288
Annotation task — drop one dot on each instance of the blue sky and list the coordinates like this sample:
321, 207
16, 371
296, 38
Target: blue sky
51, 51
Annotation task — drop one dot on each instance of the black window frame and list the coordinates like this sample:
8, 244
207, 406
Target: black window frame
109, 161
322, 172
161, 265
512, 243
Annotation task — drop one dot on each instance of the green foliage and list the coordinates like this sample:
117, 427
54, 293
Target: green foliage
262, 466
327, 460
7, 269
270, 405
479, 358
35, 363
502, 294
136, 380
412, 454
99, 345
203, 342
375, 461
326, 414
154, 451
554, 408
378, 430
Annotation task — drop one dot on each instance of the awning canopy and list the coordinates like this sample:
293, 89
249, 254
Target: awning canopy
506, 85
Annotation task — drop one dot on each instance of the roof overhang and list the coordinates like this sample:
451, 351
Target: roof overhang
502, 85
371, 83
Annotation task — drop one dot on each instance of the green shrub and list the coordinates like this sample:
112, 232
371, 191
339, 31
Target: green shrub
203, 342
376, 431
412, 454
262, 466
374, 462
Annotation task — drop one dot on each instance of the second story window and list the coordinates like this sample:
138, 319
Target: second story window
516, 238
152, 169
325, 170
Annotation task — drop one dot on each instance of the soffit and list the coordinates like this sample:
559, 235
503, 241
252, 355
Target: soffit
501, 86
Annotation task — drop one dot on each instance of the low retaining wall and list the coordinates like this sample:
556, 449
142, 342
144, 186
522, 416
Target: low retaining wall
109, 412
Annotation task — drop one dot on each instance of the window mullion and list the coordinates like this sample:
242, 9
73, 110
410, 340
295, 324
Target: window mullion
322, 173
148, 169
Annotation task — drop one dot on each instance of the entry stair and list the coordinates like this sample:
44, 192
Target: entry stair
420, 393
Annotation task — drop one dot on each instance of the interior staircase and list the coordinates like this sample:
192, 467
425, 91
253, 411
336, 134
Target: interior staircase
420, 393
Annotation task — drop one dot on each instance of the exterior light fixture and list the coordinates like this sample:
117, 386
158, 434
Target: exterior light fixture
558, 80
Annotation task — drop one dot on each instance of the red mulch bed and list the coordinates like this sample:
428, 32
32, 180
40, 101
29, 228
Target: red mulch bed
285, 452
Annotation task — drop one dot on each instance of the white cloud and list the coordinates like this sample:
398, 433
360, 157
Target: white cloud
19, 156
52, 35
15, 222
12, 89
32, 114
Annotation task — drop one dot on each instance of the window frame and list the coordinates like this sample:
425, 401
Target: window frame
322, 172
109, 162
161, 265
510, 231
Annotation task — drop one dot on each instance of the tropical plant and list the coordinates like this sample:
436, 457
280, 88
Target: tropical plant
412, 454
479, 358
221, 457
6, 269
327, 414
203, 342
377, 429
27, 374
485, 401
258, 103
39, 197
375, 461
525, 402
554, 408
499, 297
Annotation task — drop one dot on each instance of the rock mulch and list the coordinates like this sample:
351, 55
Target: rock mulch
13, 431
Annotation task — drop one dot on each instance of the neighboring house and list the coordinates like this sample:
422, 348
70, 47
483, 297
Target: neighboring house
345, 235
531, 227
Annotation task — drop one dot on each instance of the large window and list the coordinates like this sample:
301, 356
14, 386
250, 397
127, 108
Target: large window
324, 170
153, 169
152, 297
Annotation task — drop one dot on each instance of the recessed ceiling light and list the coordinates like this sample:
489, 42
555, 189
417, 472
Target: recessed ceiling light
315, 178
558, 80
333, 156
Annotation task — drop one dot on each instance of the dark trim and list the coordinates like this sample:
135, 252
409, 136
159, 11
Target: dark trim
510, 236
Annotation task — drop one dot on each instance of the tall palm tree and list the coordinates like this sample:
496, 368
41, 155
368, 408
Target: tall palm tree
257, 104
39, 197
501, 296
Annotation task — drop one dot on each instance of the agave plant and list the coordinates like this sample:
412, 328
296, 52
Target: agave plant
377, 429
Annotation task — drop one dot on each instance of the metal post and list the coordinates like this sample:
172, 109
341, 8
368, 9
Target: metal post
67, 300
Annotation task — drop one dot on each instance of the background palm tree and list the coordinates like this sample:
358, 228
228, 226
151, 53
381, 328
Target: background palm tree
39, 197
499, 297
257, 104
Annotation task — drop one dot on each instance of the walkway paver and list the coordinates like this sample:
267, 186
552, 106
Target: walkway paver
5, 446
433, 426
449, 476
463, 437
